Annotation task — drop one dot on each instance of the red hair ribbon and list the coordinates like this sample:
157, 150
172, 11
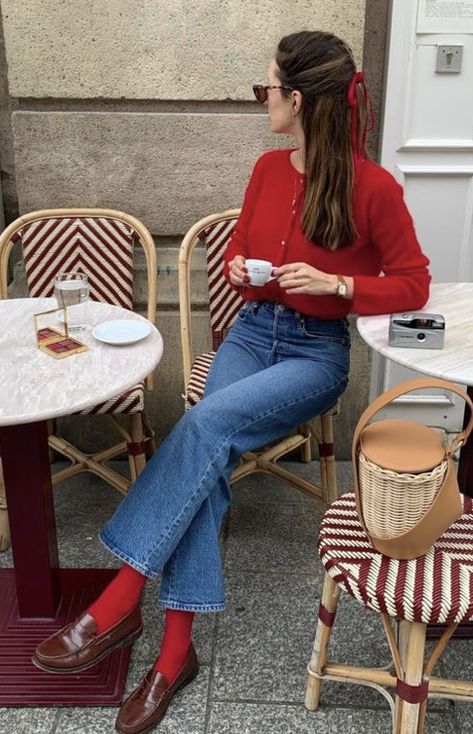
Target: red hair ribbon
359, 152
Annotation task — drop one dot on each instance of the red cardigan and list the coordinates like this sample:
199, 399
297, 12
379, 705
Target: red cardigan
269, 228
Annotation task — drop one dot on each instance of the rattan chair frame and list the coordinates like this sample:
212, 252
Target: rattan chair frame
406, 641
266, 459
139, 432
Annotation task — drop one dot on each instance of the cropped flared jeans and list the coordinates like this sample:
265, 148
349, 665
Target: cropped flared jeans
275, 370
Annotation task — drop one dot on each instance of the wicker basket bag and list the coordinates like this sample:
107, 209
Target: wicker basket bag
405, 482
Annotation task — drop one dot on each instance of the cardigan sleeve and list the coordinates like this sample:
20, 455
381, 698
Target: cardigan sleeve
405, 285
238, 244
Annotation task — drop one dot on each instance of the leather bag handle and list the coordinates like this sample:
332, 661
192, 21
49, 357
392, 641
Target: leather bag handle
410, 386
386, 398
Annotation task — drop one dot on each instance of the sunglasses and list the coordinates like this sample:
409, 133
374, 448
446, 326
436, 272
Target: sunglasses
261, 92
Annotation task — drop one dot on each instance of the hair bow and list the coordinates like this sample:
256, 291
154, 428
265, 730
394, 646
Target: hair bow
359, 151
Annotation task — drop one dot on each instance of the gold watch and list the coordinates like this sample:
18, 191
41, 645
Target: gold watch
342, 287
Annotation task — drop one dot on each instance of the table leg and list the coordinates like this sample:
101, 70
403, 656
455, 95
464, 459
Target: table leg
37, 598
31, 513
465, 465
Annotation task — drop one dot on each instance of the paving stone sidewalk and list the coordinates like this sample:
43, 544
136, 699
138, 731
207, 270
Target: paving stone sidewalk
254, 655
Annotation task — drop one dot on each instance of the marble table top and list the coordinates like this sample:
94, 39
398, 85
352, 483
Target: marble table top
455, 361
35, 386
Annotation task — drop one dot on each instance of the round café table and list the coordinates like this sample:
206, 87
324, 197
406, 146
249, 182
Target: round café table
37, 596
454, 362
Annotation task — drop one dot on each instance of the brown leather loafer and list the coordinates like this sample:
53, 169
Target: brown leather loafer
146, 706
78, 646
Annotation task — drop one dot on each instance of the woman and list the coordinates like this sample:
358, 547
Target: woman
330, 222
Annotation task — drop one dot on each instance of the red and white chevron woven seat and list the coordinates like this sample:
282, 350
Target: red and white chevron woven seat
198, 377
130, 402
435, 588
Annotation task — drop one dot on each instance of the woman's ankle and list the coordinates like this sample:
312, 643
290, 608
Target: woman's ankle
118, 599
175, 645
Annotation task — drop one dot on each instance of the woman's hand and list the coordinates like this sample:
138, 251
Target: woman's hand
303, 278
237, 271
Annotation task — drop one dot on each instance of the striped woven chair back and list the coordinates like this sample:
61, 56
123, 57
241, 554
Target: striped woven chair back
224, 302
100, 247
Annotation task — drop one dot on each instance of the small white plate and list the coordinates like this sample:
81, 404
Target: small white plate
122, 331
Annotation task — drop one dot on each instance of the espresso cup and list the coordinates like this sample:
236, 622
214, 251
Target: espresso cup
259, 271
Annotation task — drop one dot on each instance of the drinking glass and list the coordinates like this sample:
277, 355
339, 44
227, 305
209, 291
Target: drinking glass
72, 292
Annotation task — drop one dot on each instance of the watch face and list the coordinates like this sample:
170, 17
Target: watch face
342, 289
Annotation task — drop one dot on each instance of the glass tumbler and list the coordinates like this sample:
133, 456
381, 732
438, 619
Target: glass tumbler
72, 292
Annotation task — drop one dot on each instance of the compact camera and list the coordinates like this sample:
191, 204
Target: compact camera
417, 330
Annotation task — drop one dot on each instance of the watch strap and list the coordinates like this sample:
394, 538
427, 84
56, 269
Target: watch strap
342, 286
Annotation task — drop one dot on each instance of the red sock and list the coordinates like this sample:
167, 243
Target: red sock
118, 598
175, 644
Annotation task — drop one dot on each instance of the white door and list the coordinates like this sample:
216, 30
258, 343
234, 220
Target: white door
427, 143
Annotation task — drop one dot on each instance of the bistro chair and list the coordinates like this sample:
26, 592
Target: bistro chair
213, 233
100, 243
434, 589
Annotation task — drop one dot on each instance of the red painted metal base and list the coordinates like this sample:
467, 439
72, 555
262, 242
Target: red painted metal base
22, 683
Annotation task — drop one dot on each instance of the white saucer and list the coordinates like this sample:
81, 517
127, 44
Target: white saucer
122, 331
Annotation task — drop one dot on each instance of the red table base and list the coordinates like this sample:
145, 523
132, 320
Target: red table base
21, 682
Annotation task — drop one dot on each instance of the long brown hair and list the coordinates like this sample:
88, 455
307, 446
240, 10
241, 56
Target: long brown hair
321, 67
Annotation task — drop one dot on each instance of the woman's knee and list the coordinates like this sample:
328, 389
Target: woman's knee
201, 417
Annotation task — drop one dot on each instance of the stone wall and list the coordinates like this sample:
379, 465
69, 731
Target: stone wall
147, 107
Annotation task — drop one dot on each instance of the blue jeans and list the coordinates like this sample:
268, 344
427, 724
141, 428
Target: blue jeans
275, 370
